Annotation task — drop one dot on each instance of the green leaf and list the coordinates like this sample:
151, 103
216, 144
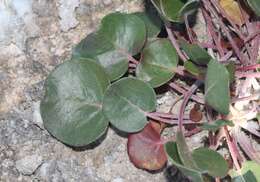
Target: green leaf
217, 87
171, 9
249, 173
255, 5
152, 22
192, 68
72, 106
119, 36
158, 64
197, 54
210, 162
126, 103
258, 117
174, 10
189, 8
184, 152
231, 67
173, 154
214, 126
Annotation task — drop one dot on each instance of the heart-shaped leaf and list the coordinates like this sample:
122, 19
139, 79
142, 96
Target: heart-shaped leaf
210, 162
255, 5
214, 126
126, 103
197, 54
173, 154
152, 155
217, 93
175, 10
152, 22
72, 106
119, 36
158, 64
248, 173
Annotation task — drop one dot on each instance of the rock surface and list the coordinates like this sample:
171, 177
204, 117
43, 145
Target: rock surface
28, 164
35, 36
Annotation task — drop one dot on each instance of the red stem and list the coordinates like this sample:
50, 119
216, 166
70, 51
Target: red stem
175, 44
188, 28
211, 31
247, 75
183, 91
171, 121
241, 57
132, 60
232, 148
163, 115
186, 98
247, 68
192, 132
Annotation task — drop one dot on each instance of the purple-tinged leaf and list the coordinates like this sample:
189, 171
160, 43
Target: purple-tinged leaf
146, 150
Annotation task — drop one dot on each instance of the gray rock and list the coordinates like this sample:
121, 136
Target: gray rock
28, 164
37, 119
66, 13
26, 58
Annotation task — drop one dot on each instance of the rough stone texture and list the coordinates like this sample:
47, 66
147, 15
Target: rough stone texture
35, 36
66, 14
28, 164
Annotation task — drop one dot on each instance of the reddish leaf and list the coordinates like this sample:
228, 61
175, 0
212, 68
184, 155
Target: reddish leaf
146, 150
158, 126
195, 113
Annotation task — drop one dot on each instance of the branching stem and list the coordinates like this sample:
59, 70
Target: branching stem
186, 98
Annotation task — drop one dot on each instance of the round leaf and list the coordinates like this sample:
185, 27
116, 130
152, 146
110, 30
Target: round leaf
72, 106
210, 161
174, 10
126, 102
152, 22
152, 155
119, 36
171, 9
158, 64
